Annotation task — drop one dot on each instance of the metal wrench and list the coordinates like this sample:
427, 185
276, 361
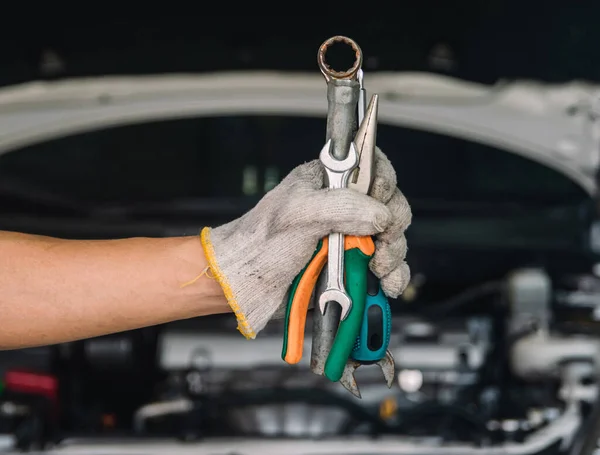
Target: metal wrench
342, 96
338, 174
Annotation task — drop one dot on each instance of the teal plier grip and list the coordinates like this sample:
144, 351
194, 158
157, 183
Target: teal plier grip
376, 328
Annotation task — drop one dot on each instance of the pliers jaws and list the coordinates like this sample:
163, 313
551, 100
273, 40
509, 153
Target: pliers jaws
364, 142
386, 364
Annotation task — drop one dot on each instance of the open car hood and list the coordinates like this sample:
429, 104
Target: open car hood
555, 125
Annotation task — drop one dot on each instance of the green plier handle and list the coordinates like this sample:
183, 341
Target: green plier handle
358, 252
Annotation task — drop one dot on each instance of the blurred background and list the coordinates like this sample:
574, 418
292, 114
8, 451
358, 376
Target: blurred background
156, 126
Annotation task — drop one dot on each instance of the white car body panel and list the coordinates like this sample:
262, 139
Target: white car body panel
552, 124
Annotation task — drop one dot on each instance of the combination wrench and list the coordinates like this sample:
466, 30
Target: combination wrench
338, 174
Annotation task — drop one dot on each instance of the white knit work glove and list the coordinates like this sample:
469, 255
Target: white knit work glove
256, 257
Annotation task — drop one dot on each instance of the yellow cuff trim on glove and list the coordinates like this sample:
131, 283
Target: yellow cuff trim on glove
209, 253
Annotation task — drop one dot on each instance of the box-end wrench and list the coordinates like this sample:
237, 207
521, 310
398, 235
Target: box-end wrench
342, 96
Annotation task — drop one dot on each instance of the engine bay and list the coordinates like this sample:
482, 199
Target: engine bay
496, 339
511, 377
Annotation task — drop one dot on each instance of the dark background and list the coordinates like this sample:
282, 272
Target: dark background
487, 40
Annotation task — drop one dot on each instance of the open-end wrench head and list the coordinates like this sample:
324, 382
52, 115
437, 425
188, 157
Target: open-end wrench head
388, 367
348, 380
335, 296
332, 164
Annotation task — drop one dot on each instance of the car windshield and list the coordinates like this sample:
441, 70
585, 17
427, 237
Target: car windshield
243, 157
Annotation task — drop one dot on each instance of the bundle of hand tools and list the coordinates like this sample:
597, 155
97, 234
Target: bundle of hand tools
352, 318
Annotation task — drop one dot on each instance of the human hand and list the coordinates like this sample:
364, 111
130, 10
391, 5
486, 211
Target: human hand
256, 257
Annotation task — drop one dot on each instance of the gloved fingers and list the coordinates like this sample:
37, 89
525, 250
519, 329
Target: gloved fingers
388, 256
384, 181
401, 217
388, 262
394, 283
341, 210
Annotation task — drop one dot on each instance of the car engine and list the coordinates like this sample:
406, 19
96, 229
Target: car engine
508, 378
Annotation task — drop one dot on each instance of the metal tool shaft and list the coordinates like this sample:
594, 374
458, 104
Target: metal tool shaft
342, 100
338, 173
324, 329
342, 97
362, 97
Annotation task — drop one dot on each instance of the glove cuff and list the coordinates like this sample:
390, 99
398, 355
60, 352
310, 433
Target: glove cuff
209, 253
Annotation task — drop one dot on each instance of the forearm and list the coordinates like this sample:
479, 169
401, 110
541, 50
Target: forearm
55, 290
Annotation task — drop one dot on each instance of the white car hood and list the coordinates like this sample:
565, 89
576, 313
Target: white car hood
555, 125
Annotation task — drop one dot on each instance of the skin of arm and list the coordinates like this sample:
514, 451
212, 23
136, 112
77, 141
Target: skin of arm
54, 290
